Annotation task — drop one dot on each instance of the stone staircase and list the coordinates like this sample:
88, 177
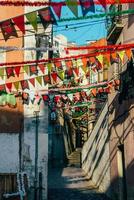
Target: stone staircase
74, 159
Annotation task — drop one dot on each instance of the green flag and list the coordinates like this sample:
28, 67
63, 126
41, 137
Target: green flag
61, 74
26, 68
72, 5
2, 72
16, 85
32, 18
39, 79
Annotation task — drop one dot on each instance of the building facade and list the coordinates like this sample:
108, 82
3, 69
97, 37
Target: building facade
24, 129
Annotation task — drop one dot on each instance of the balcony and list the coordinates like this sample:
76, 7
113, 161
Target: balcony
115, 26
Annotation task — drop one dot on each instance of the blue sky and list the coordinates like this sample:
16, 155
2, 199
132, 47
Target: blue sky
88, 29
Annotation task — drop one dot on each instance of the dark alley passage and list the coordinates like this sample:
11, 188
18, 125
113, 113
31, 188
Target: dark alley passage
71, 183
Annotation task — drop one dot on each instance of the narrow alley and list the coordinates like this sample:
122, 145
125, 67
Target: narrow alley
71, 183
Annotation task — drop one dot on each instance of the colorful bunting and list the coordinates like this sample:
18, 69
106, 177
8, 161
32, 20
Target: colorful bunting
33, 70
54, 76
74, 7
128, 53
9, 72
32, 18
121, 55
19, 21
100, 58
41, 67
8, 29
9, 86
16, 85
47, 16
32, 81
61, 74
87, 5
2, 72
17, 70
26, 68
57, 10
24, 84
39, 80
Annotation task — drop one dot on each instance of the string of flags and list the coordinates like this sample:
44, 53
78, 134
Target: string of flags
47, 16
62, 3
108, 54
65, 99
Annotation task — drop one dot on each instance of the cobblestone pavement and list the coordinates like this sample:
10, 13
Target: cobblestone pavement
70, 183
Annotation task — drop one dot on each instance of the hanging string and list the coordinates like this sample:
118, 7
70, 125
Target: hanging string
65, 58
62, 3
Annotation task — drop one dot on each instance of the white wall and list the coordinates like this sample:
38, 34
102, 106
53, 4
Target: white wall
95, 154
9, 156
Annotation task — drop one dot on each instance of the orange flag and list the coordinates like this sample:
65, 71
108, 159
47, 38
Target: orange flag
128, 53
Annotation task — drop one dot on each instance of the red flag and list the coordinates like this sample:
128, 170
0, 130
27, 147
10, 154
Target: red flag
2, 87
17, 70
47, 15
57, 9
54, 76
10, 72
42, 67
46, 79
9, 86
8, 29
32, 81
24, 84
33, 70
19, 21
76, 70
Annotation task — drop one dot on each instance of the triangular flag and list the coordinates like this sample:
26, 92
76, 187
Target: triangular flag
2, 72
70, 96
2, 87
19, 21
24, 84
39, 79
121, 55
32, 81
76, 70
128, 53
16, 85
86, 6
32, 18
57, 9
42, 67
94, 91
49, 65
46, 79
100, 58
47, 15
10, 72
103, 3
114, 55
73, 6
26, 68
79, 63
58, 64
84, 61
69, 64
8, 29
85, 69
61, 74
17, 70
33, 70
107, 58
54, 76
9, 86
